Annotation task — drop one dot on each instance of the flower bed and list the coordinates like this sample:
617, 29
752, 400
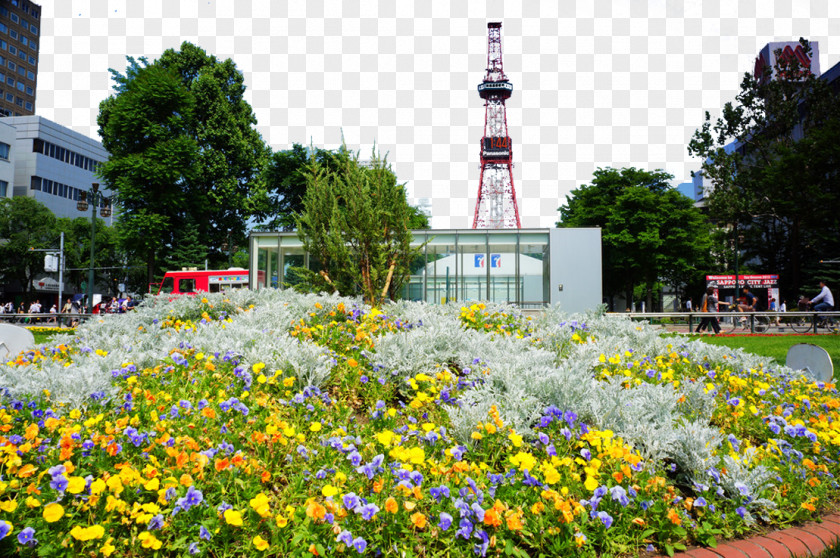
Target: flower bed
275, 423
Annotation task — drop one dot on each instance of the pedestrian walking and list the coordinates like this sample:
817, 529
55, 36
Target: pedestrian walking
709, 305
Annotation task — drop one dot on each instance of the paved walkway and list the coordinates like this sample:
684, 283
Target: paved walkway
811, 539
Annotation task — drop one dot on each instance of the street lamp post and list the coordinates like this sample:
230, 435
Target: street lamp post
94, 196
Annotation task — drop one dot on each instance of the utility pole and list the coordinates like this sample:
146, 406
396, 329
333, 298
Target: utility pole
94, 196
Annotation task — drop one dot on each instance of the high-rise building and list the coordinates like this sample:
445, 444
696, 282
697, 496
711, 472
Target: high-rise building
20, 35
53, 164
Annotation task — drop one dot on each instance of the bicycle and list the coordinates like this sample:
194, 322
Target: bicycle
732, 319
736, 320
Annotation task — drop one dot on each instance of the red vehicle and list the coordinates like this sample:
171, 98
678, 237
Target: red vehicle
192, 281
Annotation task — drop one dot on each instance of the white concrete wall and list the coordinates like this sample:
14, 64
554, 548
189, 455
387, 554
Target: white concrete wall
576, 265
29, 164
7, 167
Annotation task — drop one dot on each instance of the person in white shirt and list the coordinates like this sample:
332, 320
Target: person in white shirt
825, 300
782, 308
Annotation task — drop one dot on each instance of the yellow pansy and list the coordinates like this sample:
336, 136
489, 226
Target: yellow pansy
53, 512
260, 543
8, 505
233, 518
260, 505
108, 548
75, 485
87, 533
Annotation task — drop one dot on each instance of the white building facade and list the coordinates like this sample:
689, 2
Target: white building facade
53, 164
7, 164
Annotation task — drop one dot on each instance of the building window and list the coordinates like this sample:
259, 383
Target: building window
20, 87
22, 55
29, 106
4, 45
10, 80
10, 97
4, 11
24, 41
33, 29
19, 101
13, 34
35, 183
31, 59
12, 50
29, 90
4, 28
14, 2
4, 151
30, 75
14, 18
33, 45
22, 71
4, 187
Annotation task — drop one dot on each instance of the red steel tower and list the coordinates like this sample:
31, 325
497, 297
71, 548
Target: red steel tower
495, 207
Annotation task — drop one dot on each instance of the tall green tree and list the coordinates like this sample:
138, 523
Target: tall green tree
188, 250
772, 159
355, 223
650, 233
183, 147
109, 260
285, 182
25, 223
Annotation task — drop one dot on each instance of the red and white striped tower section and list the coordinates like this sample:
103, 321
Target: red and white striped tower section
495, 207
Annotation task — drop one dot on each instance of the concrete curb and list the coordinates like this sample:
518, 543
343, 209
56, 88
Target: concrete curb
811, 539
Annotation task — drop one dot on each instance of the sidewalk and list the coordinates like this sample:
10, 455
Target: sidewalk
810, 539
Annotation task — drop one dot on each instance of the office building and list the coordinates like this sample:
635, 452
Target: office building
53, 164
20, 36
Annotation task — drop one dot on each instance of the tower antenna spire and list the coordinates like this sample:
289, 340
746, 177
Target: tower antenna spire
495, 207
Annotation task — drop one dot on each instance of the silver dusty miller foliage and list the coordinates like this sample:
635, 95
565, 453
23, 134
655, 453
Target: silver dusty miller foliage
520, 376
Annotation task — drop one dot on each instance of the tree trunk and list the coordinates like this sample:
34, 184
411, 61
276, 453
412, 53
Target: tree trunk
388, 280
628, 296
150, 268
796, 254
649, 298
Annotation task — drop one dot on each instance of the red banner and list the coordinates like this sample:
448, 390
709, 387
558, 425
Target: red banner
755, 281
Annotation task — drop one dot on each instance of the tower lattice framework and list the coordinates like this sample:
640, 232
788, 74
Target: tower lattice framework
496, 206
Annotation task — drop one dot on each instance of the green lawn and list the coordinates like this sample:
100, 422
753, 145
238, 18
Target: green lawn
777, 346
45, 337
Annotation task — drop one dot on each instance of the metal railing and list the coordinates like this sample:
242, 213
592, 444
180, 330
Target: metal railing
813, 318
43, 319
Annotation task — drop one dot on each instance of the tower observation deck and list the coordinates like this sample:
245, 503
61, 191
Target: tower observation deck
495, 207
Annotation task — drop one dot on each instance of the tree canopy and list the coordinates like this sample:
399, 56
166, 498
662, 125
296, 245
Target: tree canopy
25, 223
772, 160
286, 182
355, 223
649, 231
184, 148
